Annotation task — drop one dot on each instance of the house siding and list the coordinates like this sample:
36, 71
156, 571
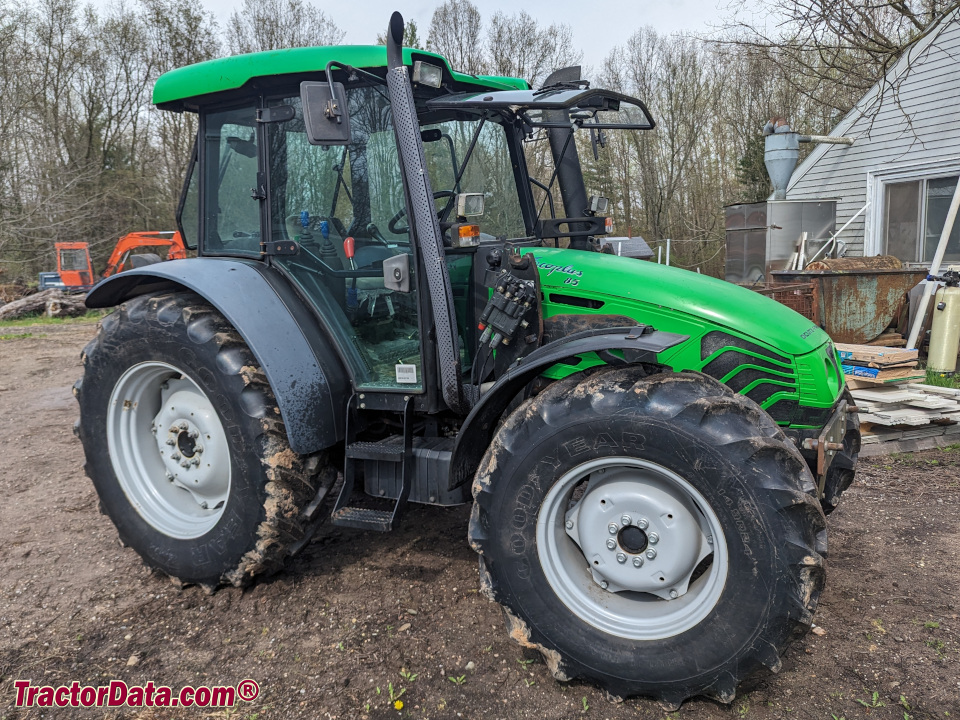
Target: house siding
910, 118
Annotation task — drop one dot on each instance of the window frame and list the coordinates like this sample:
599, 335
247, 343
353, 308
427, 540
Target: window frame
193, 171
875, 241
202, 165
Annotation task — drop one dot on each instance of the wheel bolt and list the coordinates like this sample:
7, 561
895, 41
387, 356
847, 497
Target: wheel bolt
651, 554
642, 523
611, 544
569, 522
169, 476
175, 456
613, 528
198, 449
653, 538
674, 594
638, 562
625, 520
185, 464
604, 584
194, 435
182, 425
171, 441
621, 558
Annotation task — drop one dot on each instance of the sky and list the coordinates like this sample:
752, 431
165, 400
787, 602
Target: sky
597, 25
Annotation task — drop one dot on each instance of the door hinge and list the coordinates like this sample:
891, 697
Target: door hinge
279, 247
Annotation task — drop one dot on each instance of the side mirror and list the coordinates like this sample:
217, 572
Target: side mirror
325, 115
396, 273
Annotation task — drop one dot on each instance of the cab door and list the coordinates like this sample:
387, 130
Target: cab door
345, 207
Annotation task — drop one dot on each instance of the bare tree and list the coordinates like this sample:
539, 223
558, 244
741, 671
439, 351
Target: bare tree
518, 46
273, 24
456, 33
836, 49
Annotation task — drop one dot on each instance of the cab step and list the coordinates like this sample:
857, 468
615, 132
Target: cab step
364, 519
395, 449
389, 450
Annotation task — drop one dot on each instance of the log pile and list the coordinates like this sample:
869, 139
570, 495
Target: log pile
53, 303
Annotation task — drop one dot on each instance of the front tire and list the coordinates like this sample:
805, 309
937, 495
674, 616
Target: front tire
185, 445
584, 480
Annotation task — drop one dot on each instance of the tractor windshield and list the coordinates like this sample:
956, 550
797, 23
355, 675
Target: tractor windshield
472, 156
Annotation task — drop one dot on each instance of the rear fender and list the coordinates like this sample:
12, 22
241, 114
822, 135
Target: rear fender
307, 377
639, 345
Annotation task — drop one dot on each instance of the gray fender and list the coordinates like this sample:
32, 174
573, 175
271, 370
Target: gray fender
638, 344
307, 377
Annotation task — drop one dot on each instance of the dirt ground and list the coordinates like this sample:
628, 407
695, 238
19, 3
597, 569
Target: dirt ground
358, 614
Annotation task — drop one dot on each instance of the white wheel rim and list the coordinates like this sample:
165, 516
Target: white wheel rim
168, 450
616, 586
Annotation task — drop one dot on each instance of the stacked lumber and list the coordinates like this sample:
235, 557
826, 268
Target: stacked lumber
867, 365
907, 411
889, 338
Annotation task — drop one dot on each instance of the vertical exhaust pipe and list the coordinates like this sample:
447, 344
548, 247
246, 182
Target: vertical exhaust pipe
424, 226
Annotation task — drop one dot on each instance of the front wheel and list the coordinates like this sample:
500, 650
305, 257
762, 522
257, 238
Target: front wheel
185, 446
659, 535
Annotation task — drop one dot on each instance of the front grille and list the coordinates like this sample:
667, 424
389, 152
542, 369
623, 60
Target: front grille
757, 372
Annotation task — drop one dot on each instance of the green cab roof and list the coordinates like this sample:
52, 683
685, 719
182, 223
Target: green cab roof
231, 73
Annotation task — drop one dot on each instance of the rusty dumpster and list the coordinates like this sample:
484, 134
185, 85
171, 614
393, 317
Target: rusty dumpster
854, 306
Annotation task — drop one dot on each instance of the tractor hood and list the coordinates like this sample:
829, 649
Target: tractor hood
608, 278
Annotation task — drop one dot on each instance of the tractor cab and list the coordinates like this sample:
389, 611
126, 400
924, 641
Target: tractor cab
304, 172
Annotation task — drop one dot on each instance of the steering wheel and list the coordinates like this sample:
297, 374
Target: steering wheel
392, 225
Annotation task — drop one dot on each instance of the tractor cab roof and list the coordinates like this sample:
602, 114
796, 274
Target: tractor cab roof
188, 87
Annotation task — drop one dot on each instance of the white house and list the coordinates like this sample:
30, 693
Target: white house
905, 160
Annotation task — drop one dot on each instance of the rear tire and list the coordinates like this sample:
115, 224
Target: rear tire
185, 445
741, 538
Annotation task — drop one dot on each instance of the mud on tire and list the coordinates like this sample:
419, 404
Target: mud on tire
266, 495
677, 431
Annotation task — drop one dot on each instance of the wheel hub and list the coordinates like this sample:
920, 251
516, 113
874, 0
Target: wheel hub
168, 449
632, 539
193, 448
632, 548
637, 534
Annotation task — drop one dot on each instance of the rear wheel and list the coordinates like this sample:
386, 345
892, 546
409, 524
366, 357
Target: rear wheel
658, 535
185, 446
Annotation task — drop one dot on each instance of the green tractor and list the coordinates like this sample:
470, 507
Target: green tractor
388, 307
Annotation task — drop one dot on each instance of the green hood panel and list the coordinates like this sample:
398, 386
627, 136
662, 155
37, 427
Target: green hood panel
684, 300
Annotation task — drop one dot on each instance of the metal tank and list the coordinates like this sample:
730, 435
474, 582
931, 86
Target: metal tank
945, 329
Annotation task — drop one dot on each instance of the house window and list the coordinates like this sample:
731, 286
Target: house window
914, 214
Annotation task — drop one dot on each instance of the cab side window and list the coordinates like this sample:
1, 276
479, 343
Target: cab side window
231, 216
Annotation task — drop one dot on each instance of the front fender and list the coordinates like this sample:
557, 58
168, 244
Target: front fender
307, 377
638, 344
